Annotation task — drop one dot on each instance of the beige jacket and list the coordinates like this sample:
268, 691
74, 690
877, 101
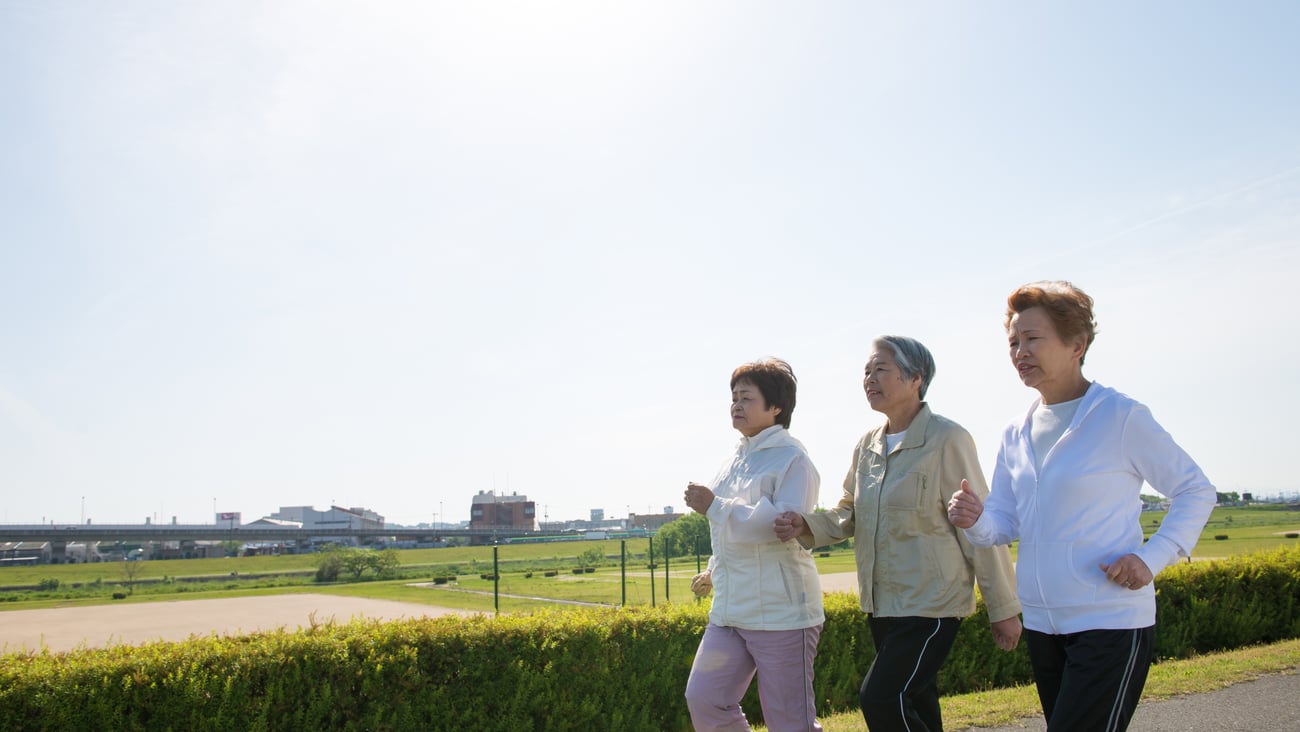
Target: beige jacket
911, 561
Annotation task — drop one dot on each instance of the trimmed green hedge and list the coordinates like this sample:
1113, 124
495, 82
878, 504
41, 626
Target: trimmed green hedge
605, 669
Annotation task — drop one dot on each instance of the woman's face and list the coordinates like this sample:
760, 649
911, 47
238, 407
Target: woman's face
1041, 358
749, 411
887, 390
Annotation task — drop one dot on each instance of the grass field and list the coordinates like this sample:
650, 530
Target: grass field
522, 583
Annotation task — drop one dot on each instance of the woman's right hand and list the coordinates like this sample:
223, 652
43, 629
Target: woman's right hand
698, 497
702, 583
965, 507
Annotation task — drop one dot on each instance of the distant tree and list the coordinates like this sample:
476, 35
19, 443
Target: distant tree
593, 557
387, 563
682, 537
1227, 498
329, 562
131, 574
357, 561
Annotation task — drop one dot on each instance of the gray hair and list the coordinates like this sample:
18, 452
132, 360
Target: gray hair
913, 359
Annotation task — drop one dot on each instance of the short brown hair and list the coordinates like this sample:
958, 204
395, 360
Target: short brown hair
775, 381
1069, 308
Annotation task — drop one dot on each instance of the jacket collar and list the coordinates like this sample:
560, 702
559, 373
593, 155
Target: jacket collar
1095, 394
774, 436
915, 436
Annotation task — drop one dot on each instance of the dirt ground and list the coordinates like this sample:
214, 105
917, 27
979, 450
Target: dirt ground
102, 625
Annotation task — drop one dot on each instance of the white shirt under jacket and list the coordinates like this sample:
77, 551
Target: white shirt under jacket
1083, 510
759, 581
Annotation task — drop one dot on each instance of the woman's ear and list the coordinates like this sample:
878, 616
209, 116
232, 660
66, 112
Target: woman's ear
1079, 346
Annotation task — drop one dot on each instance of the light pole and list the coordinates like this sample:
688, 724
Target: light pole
83, 510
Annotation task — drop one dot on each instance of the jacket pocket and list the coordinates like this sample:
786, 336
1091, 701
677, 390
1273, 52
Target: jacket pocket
907, 494
1061, 580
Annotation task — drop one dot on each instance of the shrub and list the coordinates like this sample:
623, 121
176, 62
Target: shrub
1292, 535
594, 668
119, 595
1220, 537
550, 573
49, 583
1227, 603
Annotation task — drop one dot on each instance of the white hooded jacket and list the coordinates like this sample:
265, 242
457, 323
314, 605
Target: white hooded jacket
1083, 510
759, 581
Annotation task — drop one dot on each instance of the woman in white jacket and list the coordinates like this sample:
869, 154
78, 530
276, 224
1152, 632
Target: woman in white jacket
1066, 484
767, 614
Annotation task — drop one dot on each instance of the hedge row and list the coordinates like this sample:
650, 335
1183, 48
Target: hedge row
606, 669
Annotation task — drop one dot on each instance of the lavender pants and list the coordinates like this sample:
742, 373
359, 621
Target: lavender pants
725, 663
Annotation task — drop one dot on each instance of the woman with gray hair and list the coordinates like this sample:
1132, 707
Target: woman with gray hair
916, 571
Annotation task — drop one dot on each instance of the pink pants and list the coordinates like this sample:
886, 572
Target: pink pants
725, 663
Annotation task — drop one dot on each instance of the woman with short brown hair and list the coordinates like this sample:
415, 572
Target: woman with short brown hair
1066, 485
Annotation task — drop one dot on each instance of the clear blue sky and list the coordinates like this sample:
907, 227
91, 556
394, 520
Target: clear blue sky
391, 254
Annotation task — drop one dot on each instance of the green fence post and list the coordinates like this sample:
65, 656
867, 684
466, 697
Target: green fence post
652, 570
622, 561
698, 568
496, 583
666, 585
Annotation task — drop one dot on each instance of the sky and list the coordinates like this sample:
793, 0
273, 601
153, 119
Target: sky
391, 254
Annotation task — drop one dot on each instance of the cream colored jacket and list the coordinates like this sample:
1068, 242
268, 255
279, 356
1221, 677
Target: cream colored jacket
759, 581
911, 561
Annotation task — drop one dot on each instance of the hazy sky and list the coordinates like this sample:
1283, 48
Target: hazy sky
390, 254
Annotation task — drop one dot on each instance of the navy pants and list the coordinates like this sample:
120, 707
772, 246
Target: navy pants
1090, 681
901, 689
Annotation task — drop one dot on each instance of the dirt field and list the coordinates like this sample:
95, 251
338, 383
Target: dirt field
102, 625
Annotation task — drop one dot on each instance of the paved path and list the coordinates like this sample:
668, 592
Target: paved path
64, 629
1268, 703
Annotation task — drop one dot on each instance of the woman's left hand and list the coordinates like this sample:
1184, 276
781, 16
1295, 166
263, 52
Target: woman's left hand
1006, 633
1128, 571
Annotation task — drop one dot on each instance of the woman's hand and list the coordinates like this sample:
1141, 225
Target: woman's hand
702, 583
698, 497
789, 525
1128, 571
964, 508
1006, 633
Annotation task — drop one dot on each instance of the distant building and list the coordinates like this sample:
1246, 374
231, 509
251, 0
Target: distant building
652, 521
335, 517
490, 511
597, 515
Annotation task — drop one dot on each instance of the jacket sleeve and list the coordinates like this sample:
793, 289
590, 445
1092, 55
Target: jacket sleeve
837, 524
1000, 522
992, 565
1169, 470
796, 490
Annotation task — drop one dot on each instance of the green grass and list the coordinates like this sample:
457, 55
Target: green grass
1249, 529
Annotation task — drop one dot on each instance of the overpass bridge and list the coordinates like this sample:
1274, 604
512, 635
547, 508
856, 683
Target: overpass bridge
77, 533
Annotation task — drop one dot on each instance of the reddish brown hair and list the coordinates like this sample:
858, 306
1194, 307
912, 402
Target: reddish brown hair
1069, 308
